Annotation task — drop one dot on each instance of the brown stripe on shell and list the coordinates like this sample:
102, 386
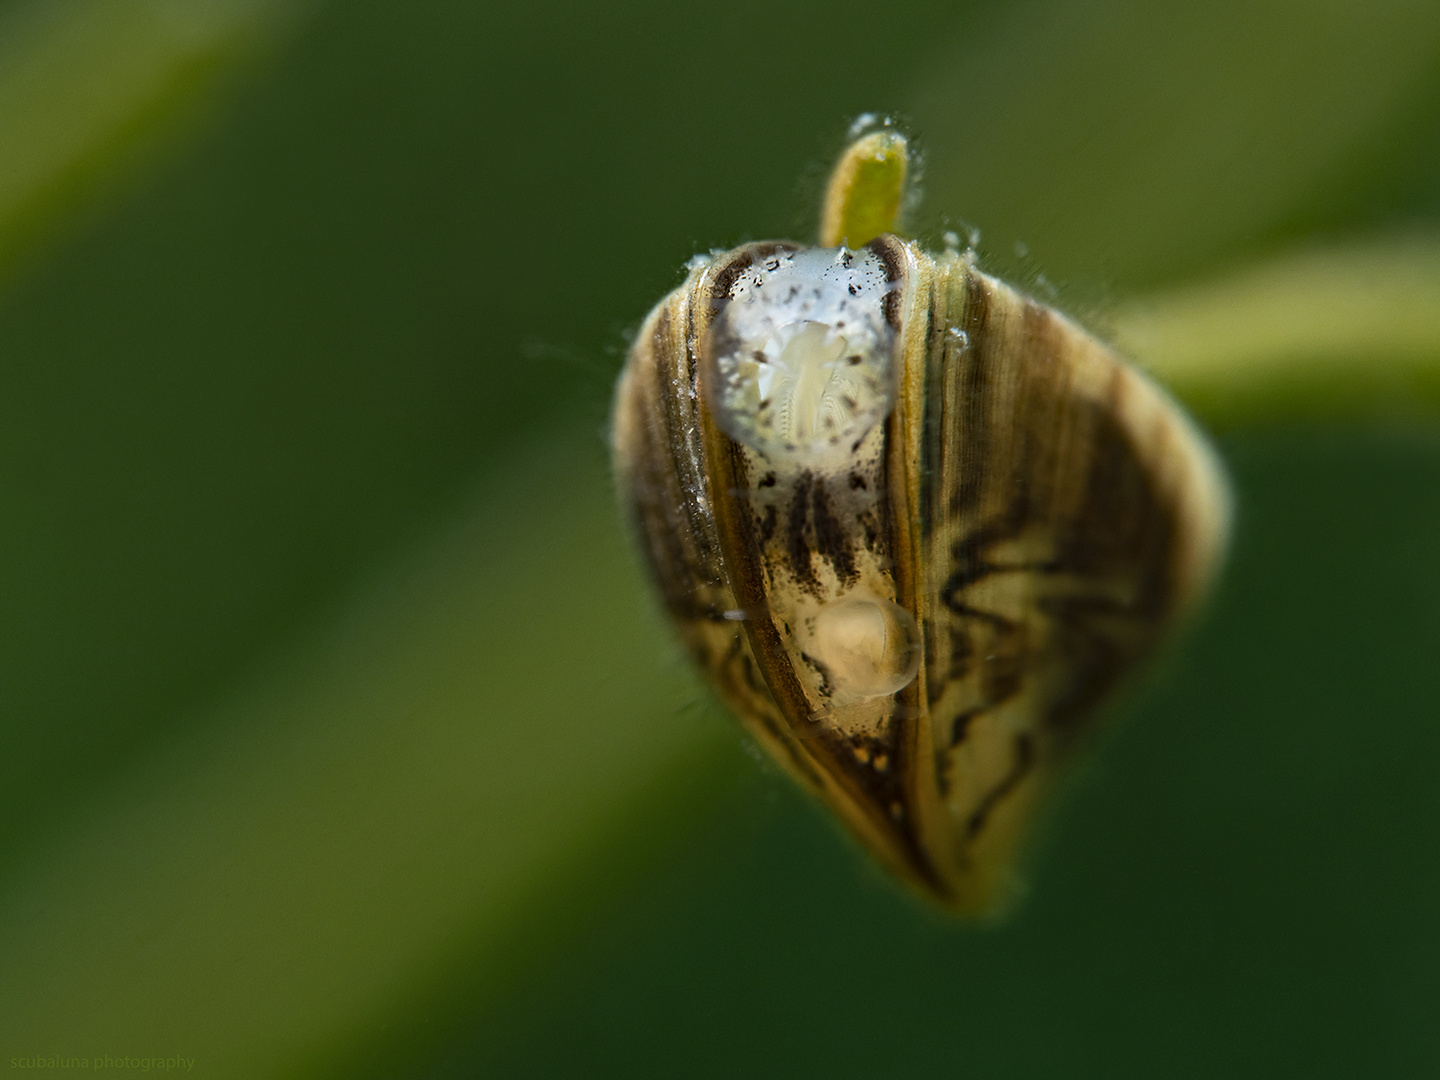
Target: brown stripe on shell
813, 524
1072, 493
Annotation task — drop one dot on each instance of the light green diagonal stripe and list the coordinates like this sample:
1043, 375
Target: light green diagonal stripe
82, 81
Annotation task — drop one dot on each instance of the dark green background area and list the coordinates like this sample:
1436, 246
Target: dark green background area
413, 238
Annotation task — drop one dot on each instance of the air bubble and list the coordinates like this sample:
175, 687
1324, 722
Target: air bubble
799, 358
868, 647
865, 123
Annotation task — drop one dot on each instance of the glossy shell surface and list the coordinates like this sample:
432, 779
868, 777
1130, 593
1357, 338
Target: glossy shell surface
915, 527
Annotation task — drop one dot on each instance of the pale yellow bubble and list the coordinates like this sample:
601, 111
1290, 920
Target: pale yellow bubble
867, 646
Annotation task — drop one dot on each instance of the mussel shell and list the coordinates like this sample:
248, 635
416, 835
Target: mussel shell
922, 621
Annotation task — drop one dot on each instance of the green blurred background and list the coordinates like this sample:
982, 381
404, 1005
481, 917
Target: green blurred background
341, 736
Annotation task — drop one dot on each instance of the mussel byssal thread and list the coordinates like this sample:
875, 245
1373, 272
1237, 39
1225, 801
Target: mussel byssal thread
914, 526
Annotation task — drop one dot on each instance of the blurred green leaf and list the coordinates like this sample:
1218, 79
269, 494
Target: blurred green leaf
83, 82
1340, 333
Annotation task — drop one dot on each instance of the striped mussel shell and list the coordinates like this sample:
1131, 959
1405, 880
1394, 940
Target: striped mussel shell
915, 527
